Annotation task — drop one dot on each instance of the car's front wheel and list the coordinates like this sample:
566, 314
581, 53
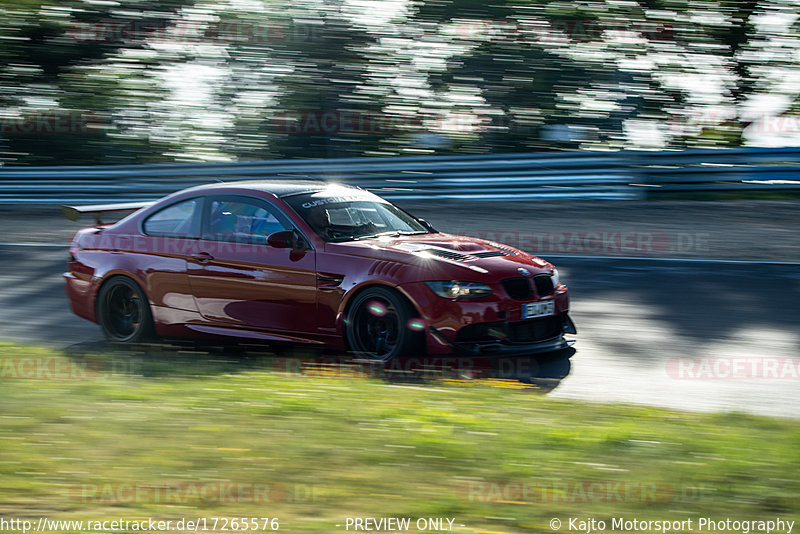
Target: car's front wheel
123, 311
379, 325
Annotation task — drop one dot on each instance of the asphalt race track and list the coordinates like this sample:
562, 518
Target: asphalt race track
691, 335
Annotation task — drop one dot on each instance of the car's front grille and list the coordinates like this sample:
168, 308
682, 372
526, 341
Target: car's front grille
530, 330
544, 284
518, 288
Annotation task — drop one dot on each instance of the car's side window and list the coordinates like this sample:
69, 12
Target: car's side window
178, 220
241, 220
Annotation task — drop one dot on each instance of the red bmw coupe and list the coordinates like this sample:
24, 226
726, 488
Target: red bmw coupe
305, 262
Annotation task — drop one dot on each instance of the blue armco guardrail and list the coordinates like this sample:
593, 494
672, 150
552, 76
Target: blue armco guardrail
614, 175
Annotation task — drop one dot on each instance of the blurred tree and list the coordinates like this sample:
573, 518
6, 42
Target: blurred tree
301, 90
764, 113
704, 60
549, 73
731, 62
608, 74
76, 78
86, 81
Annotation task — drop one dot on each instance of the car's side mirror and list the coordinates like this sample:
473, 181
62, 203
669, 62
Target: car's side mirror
288, 239
283, 239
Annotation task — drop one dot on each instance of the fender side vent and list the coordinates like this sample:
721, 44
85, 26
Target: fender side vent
386, 268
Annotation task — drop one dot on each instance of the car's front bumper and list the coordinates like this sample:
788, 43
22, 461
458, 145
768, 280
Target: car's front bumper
491, 325
505, 345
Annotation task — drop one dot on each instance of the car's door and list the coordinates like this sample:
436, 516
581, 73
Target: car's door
237, 278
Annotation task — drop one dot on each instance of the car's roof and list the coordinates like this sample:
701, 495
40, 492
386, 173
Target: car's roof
281, 188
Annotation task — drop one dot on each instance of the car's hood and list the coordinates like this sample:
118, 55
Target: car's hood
447, 255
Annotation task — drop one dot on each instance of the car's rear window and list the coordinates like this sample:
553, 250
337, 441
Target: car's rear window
177, 220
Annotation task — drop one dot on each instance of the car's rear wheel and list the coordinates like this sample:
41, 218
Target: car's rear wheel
123, 311
378, 325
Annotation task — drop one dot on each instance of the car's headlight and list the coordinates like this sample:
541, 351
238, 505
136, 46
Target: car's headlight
554, 276
451, 289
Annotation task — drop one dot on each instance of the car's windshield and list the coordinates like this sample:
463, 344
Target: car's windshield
339, 216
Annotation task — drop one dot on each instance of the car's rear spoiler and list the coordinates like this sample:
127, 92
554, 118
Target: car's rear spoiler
73, 213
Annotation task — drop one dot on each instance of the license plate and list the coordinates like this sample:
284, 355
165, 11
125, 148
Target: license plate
538, 309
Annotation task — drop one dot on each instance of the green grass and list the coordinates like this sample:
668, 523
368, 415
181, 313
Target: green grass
321, 447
